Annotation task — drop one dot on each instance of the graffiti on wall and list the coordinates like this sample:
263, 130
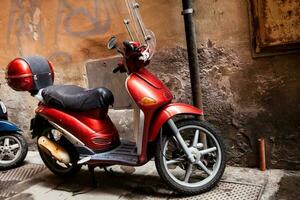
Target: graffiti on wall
32, 20
24, 18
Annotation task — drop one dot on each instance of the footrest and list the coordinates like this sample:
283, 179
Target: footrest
126, 152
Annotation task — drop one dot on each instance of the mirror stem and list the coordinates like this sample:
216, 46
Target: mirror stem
126, 23
120, 51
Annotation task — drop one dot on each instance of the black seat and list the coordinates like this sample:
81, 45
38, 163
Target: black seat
75, 98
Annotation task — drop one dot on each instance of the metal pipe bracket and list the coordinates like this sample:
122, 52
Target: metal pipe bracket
187, 11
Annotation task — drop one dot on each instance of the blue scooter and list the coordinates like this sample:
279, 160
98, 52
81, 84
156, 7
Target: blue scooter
13, 146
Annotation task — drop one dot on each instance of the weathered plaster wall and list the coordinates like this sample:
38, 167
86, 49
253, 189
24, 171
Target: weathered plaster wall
244, 97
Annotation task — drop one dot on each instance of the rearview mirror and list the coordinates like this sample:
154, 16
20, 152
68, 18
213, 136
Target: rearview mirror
112, 42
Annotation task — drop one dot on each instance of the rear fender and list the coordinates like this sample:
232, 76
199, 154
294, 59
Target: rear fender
6, 126
167, 113
38, 124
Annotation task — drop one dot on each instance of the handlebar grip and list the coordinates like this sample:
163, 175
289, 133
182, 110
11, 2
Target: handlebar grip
128, 46
115, 70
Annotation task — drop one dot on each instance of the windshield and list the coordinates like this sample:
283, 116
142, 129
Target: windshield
136, 28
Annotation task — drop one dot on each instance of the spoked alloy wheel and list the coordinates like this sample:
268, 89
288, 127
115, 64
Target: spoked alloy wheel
178, 171
13, 150
58, 168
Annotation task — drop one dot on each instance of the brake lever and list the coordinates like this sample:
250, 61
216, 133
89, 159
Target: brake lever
144, 56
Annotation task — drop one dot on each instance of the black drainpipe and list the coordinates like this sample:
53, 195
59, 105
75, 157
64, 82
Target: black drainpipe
191, 43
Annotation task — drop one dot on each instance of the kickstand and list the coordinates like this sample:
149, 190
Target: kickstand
94, 181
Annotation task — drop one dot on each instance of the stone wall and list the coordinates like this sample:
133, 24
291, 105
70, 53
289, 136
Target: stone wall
245, 98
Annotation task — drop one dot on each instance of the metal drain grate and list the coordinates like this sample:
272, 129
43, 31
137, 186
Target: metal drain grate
13, 176
230, 190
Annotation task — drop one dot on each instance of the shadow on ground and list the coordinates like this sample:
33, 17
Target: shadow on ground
128, 186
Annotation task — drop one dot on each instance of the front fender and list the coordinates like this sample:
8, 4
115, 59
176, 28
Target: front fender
168, 112
6, 126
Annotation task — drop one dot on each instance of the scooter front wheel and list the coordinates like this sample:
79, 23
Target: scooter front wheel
13, 150
177, 170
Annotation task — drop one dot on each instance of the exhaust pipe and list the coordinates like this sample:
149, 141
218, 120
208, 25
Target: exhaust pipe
54, 150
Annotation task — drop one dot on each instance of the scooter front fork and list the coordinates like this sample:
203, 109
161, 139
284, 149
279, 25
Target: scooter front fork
181, 142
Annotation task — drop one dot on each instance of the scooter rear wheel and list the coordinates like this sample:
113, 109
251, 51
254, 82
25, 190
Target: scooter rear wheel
60, 169
176, 169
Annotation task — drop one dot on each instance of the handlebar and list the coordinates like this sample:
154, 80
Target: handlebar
120, 68
116, 69
133, 51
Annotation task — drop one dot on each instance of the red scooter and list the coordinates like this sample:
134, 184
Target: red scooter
73, 128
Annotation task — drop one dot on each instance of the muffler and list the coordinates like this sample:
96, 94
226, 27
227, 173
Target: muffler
53, 149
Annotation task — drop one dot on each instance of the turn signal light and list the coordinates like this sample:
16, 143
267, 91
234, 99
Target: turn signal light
148, 101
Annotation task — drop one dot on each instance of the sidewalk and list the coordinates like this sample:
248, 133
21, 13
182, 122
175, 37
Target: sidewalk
144, 183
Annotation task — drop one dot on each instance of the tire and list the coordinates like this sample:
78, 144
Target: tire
15, 139
161, 159
53, 165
